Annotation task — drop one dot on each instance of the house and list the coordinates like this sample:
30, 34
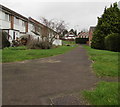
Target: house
70, 36
43, 31
91, 30
12, 23
83, 35
17, 25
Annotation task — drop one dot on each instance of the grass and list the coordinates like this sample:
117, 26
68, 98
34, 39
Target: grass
106, 93
69, 42
105, 62
0, 55
13, 54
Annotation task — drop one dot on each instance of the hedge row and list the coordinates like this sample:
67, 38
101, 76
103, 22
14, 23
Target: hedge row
112, 42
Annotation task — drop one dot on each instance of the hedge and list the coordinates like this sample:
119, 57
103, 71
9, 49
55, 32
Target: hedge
81, 40
112, 42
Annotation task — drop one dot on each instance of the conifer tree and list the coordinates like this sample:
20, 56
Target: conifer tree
108, 23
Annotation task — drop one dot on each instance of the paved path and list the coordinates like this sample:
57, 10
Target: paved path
41, 80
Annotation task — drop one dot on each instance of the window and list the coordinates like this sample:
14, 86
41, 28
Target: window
23, 23
16, 20
7, 17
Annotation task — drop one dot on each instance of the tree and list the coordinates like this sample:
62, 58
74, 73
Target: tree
75, 32
52, 27
108, 23
72, 30
65, 32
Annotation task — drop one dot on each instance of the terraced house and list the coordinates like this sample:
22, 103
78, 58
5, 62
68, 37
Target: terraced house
12, 23
17, 25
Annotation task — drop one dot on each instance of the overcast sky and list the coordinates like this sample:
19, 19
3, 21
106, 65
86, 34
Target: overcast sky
79, 14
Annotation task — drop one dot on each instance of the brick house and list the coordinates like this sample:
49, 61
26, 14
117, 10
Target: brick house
91, 30
83, 35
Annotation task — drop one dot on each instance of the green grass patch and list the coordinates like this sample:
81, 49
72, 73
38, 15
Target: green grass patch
105, 62
13, 54
0, 55
106, 93
69, 42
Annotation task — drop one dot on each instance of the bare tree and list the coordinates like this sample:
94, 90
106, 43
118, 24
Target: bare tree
53, 27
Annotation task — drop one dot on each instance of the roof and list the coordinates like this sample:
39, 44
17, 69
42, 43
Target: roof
83, 34
39, 24
92, 28
11, 12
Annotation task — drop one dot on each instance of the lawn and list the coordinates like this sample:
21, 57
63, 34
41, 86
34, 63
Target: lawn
106, 93
105, 63
13, 54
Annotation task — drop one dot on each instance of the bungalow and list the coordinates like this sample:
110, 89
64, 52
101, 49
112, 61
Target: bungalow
91, 30
12, 23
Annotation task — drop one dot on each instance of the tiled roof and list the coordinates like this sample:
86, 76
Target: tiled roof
83, 34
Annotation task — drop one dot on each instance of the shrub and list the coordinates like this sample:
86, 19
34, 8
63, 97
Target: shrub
4, 43
35, 44
98, 40
24, 39
112, 42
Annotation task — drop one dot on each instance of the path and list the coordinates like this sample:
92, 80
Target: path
40, 81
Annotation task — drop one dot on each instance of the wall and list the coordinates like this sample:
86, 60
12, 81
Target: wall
57, 42
90, 37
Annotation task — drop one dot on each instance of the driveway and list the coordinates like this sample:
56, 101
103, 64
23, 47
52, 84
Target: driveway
36, 82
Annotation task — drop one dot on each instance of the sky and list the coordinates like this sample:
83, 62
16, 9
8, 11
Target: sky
78, 14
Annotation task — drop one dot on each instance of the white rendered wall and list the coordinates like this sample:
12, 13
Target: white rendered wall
57, 42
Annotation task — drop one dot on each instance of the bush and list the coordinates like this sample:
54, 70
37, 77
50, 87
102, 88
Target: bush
98, 40
4, 43
35, 44
24, 39
112, 42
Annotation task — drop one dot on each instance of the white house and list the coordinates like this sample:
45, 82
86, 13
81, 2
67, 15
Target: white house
17, 25
13, 23
70, 36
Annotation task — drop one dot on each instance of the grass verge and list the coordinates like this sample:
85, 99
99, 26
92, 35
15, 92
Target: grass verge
13, 54
106, 93
105, 62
